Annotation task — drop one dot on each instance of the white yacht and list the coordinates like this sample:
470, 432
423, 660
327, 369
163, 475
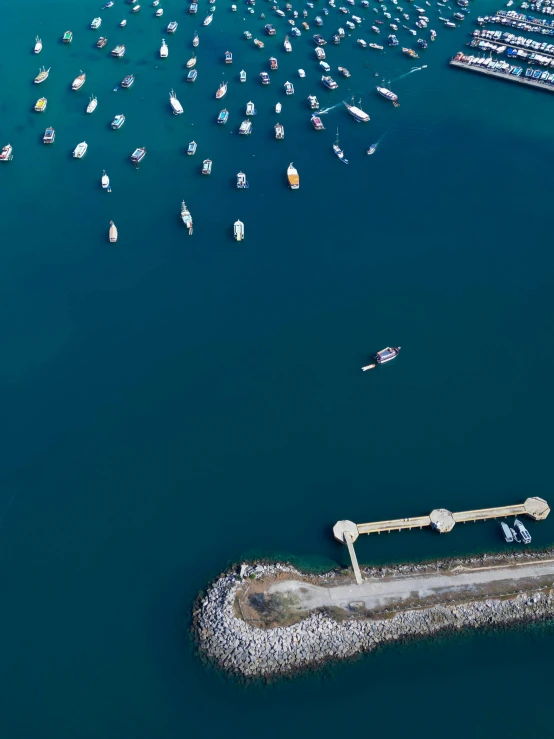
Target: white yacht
301, 73
250, 109
208, 19
96, 23
93, 102
238, 230
186, 217
164, 51
105, 180
522, 531
278, 108
357, 113
287, 44
507, 532
79, 81
112, 234
80, 150
159, 12
175, 104
38, 45
123, 23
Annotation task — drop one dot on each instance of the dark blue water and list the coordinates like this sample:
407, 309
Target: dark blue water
172, 404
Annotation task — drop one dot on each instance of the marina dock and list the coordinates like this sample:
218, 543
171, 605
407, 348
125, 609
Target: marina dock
526, 81
440, 519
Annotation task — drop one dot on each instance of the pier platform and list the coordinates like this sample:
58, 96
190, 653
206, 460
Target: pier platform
440, 519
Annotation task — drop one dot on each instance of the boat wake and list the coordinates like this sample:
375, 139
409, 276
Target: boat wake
327, 110
412, 70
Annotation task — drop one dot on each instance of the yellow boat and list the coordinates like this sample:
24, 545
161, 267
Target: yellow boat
40, 105
294, 179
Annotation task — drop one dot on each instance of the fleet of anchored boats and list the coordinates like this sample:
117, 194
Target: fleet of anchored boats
245, 128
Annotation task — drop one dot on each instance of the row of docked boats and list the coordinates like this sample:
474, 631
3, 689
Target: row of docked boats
518, 533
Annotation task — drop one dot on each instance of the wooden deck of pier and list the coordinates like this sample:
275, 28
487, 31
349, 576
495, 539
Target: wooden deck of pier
503, 76
440, 519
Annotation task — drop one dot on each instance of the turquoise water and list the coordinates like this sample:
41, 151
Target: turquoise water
174, 404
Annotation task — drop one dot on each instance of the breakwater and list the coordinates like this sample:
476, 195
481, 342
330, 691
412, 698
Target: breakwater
251, 623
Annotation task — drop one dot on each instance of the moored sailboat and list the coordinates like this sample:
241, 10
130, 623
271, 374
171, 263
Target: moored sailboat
238, 230
338, 151
38, 45
112, 233
93, 102
293, 177
79, 81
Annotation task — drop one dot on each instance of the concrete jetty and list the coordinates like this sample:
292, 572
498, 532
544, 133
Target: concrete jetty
439, 519
526, 81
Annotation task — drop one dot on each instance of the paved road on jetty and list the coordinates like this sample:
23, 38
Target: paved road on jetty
463, 583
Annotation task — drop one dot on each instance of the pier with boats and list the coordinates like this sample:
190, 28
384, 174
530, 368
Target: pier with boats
440, 519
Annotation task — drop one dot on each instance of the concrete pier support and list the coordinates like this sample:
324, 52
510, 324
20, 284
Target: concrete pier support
353, 558
347, 532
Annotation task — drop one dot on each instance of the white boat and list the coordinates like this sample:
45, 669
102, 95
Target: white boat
242, 75
324, 66
242, 182
387, 355
357, 113
80, 150
314, 102
105, 180
38, 45
387, 94
112, 233
522, 531
195, 40
91, 107
238, 230
186, 217
175, 104
245, 128
79, 81
159, 12
6, 154
208, 19
191, 62
123, 23
507, 532
289, 88
250, 109
279, 131
135, 9
278, 108
301, 73
293, 178
287, 44
164, 51
96, 23
338, 151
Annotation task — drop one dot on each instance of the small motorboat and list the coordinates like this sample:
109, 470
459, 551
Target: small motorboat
372, 149
301, 73
238, 230
207, 166
38, 45
191, 62
6, 154
112, 233
123, 23
80, 150
40, 105
278, 108
105, 180
191, 149
242, 76
387, 354
186, 217
242, 184
164, 51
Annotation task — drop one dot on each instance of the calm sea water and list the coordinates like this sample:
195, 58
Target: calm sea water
174, 404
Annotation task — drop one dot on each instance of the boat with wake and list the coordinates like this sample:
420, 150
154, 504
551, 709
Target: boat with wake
387, 94
317, 123
357, 113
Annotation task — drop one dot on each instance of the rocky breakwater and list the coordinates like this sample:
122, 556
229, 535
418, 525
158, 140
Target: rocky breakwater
257, 622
